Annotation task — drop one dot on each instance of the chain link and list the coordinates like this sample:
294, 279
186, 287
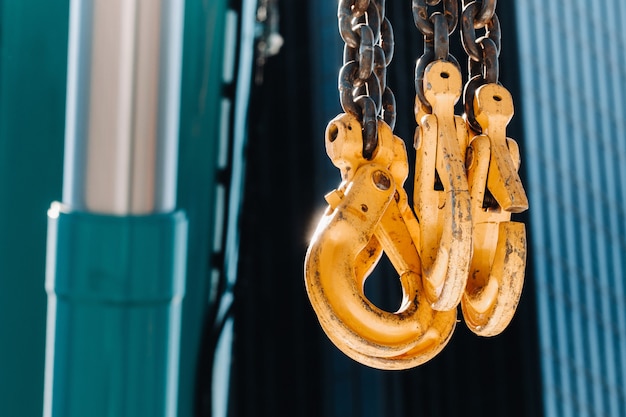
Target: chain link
436, 27
483, 51
487, 11
369, 47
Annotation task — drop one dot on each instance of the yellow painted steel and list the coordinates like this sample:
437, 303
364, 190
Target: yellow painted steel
493, 107
444, 214
368, 214
499, 260
459, 246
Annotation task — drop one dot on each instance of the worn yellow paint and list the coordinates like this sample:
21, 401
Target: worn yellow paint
499, 259
493, 107
444, 215
369, 214
454, 249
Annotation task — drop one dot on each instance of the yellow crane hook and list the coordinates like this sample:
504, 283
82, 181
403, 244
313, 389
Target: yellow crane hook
368, 214
497, 269
442, 200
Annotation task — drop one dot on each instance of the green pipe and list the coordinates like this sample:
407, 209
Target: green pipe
116, 250
115, 286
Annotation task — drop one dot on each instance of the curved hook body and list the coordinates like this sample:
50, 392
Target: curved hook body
342, 235
497, 277
345, 235
442, 201
366, 216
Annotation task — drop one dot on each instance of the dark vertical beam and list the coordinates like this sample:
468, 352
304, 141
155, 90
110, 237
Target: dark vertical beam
276, 357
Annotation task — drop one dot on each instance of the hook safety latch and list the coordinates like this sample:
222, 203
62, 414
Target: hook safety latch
498, 263
368, 214
442, 200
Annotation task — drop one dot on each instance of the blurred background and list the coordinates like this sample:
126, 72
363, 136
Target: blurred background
258, 86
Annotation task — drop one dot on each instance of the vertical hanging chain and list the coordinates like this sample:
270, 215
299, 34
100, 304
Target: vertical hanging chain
368, 50
483, 52
436, 28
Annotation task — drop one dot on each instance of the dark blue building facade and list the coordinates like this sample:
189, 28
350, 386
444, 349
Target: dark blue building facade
573, 86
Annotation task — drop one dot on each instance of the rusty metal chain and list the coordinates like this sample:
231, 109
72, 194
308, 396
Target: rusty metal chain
436, 27
483, 51
368, 50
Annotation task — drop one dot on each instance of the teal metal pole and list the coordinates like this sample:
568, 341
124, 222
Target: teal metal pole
114, 293
116, 255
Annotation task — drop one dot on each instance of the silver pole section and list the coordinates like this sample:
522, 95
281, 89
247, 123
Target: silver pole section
123, 106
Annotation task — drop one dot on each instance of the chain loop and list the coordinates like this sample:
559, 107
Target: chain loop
468, 31
369, 121
427, 57
424, 21
442, 38
389, 108
468, 101
346, 80
491, 66
366, 50
345, 15
380, 69
487, 11
421, 18
387, 41
370, 88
